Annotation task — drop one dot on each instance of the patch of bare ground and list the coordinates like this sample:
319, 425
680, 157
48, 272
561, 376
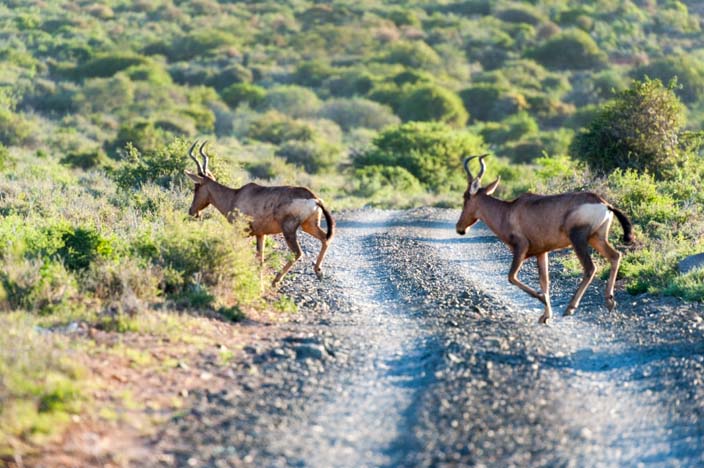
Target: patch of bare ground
138, 381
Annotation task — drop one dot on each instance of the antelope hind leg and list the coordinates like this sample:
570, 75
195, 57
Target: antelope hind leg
292, 242
312, 228
544, 274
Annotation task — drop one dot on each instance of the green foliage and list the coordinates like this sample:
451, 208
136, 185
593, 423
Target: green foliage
490, 102
6, 161
511, 128
295, 101
431, 152
243, 93
384, 181
522, 14
107, 65
81, 246
312, 74
688, 72
143, 135
639, 129
358, 113
570, 50
314, 155
431, 102
414, 55
14, 129
163, 166
274, 127
87, 159
194, 44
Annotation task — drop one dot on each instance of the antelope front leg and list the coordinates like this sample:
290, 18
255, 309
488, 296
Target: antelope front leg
516, 264
260, 257
544, 274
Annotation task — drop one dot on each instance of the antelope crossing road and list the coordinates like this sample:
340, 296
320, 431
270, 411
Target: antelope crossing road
414, 350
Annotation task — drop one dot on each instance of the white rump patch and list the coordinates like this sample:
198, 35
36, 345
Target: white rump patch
591, 214
303, 208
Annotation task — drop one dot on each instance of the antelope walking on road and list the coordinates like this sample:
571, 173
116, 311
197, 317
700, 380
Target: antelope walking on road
534, 225
271, 210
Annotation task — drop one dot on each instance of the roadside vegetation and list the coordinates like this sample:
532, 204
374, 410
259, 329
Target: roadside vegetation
369, 103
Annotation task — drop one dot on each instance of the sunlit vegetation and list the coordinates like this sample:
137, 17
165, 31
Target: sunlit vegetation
367, 102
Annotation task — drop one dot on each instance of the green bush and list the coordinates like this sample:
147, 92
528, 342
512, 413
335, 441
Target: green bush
14, 129
431, 102
143, 135
312, 74
522, 14
639, 130
243, 93
107, 65
6, 161
163, 166
87, 159
432, 152
194, 44
488, 102
314, 156
358, 113
234, 74
688, 72
81, 246
414, 55
276, 128
512, 128
384, 180
570, 50
354, 82
291, 100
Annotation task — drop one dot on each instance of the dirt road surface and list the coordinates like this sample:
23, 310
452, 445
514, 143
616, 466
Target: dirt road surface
414, 350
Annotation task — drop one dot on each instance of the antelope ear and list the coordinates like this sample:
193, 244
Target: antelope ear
194, 177
474, 187
492, 186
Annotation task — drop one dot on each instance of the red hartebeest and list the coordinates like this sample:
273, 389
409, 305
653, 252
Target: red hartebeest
534, 225
271, 210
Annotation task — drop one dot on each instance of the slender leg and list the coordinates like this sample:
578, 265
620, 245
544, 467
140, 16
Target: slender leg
614, 257
544, 274
260, 257
519, 252
311, 227
292, 242
578, 237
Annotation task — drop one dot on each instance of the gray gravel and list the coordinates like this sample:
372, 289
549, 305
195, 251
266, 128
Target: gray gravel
414, 350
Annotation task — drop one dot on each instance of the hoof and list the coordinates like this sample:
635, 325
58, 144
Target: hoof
569, 311
544, 319
319, 274
610, 303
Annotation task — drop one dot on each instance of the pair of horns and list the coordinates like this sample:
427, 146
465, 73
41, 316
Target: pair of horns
202, 170
470, 177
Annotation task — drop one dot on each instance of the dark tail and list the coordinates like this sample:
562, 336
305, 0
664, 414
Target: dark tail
625, 223
328, 220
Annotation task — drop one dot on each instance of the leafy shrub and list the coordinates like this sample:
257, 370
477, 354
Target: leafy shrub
414, 55
431, 102
431, 152
487, 102
358, 112
81, 246
194, 44
522, 14
688, 72
570, 50
375, 180
276, 128
107, 65
41, 286
292, 100
104, 95
314, 156
87, 159
511, 128
6, 161
312, 74
163, 166
243, 93
638, 130
143, 135
14, 129
355, 82
234, 74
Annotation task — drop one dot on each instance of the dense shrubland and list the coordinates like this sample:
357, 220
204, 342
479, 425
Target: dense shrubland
367, 102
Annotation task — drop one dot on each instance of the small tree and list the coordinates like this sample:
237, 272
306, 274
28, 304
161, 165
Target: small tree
639, 129
570, 50
431, 151
431, 102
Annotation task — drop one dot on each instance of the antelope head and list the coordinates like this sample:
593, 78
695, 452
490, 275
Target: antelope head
202, 196
470, 210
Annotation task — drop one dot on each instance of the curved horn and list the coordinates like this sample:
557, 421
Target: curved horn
190, 153
483, 164
205, 157
465, 163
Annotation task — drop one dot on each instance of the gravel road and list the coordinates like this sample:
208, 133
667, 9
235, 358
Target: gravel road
414, 350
